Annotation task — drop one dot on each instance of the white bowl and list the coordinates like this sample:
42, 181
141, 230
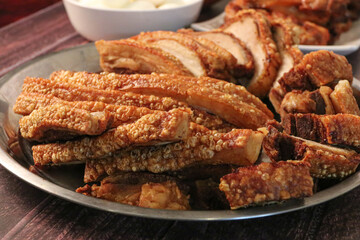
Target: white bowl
109, 24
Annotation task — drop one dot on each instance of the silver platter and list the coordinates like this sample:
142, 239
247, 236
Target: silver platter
62, 181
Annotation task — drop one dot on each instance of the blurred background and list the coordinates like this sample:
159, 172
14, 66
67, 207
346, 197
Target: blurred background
12, 10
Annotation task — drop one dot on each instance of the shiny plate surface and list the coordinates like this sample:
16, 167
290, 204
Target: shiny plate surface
62, 181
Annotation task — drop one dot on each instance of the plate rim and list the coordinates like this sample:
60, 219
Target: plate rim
12, 165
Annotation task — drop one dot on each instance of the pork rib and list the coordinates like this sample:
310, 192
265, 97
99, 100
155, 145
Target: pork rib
343, 99
148, 130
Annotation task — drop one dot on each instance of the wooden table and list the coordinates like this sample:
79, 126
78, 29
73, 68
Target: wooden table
28, 213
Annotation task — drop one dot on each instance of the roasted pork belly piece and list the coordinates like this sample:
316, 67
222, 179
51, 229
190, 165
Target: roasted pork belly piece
317, 69
228, 101
238, 147
343, 99
317, 102
253, 28
244, 61
267, 182
326, 161
62, 122
150, 129
137, 190
129, 56
339, 129
215, 64
290, 56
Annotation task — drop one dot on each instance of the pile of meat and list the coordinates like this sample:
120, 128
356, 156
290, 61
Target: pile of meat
157, 129
312, 22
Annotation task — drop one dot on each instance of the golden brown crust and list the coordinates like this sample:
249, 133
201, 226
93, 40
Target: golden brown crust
239, 147
72, 121
261, 45
220, 98
343, 99
267, 182
148, 130
137, 57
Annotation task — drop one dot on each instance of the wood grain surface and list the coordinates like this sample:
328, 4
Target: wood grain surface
28, 213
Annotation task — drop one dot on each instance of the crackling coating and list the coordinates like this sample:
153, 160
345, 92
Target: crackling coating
148, 130
267, 182
326, 161
226, 106
60, 118
238, 147
151, 83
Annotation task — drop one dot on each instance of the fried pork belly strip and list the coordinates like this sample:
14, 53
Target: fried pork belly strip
215, 64
339, 129
317, 102
231, 102
136, 57
267, 182
326, 161
159, 195
253, 28
343, 99
244, 60
70, 92
150, 129
317, 69
238, 147
73, 121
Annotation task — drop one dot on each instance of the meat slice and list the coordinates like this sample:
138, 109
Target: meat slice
244, 61
150, 129
202, 147
230, 102
317, 69
339, 129
62, 121
214, 64
326, 161
317, 102
128, 56
139, 190
253, 28
290, 56
343, 99
267, 182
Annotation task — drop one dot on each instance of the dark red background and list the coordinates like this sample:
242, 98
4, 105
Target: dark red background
12, 10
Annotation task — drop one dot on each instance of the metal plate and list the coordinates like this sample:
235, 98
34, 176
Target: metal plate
62, 181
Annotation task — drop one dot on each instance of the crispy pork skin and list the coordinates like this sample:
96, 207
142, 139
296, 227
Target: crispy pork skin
326, 161
253, 28
230, 102
202, 147
150, 129
343, 99
135, 57
267, 182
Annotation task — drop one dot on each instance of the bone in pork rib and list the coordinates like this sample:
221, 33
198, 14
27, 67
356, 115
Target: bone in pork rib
239, 147
326, 161
339, 129
148, 130
60, 118
129, 56
250, 113
253, 28
267, 182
